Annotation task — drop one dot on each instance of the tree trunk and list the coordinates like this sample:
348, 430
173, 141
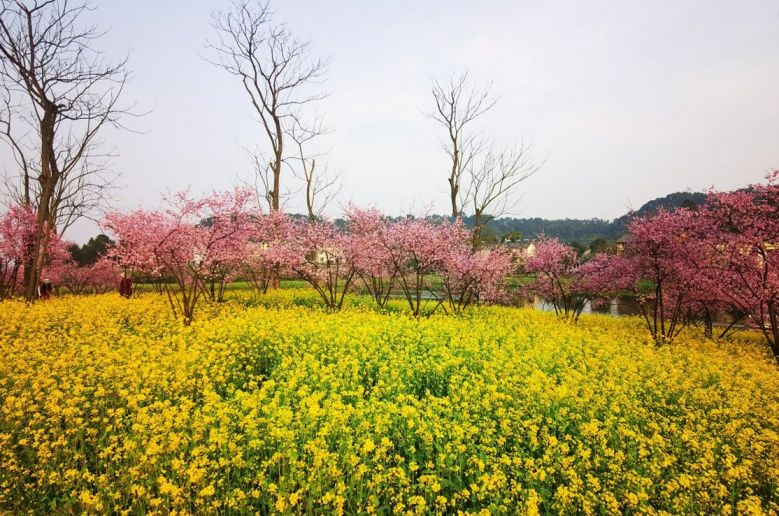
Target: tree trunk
310, 182
275, 281
274, 196
278, 156
454, 187
44, 219
477, 223
708, 324
773, 319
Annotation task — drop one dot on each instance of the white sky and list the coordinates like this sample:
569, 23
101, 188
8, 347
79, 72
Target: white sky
624, 100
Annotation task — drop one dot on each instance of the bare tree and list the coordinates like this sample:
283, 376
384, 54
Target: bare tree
262, 179
481, 176
321, 187
57, 95
489, 182
458, 103
276, 71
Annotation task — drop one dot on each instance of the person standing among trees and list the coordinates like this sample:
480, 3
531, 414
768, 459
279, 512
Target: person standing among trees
126, 286
44, 290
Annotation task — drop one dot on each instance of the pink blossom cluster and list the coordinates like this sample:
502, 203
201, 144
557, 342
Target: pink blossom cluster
568, 283
192, 244
719, 259
17, 234
97, 278
426, 262
197, 243
685, 266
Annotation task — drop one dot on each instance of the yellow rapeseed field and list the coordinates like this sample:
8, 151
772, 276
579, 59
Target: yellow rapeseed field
273, 405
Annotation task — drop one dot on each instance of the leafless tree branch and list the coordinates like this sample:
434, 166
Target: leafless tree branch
57, 93
276, 72
490, 181
321, 187
458, 103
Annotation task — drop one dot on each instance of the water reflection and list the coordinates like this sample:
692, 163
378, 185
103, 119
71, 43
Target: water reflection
616, 307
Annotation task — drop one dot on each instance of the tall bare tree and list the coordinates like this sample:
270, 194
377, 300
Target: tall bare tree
481, 176
490, 178
262, 180
57, 94
321, 186
277, 73
458, 103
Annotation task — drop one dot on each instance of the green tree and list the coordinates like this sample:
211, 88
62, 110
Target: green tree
90, 252
601, 245
580, 248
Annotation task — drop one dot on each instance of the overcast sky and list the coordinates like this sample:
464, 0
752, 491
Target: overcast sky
623, 101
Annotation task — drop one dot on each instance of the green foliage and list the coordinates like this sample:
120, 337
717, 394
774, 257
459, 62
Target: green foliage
602, 245
90, 252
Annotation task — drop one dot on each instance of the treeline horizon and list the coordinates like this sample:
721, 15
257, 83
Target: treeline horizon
583, 231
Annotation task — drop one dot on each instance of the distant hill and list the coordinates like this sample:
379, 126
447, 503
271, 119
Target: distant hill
669, 202
587, 230
583, 231
568, 230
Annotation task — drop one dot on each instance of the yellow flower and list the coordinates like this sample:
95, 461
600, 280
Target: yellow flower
277, 405
367, 446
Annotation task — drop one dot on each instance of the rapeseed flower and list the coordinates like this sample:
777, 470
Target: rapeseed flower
271, 404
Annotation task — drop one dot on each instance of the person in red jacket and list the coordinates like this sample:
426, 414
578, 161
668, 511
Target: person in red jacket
44, 291
125, 286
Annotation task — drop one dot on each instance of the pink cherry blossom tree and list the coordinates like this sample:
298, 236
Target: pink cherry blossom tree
227, 227
472, 277
744, 240
186, 244
265, 255
475, 278
553, 265
16, 236
604, 277
694, 262
320, 253
371, 260
97, 278
56, 262
417, 249
427, 261
569, 284
655, 252
671, 262
137, 234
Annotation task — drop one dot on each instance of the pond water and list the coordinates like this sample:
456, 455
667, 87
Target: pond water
616, 307
628, 305
621, 306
